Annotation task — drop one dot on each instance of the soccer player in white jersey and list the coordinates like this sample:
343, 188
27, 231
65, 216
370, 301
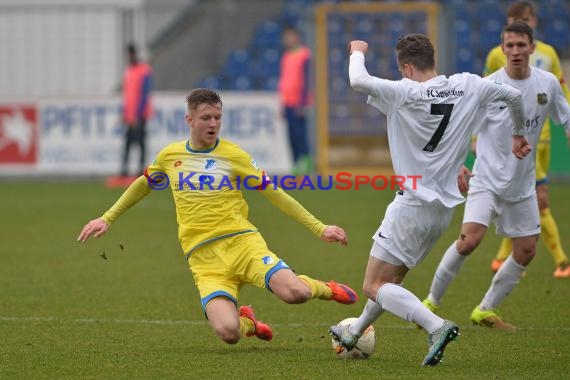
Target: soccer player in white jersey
502, 189
430, 121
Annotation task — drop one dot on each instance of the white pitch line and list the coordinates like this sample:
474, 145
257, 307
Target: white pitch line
204, 322
104, 320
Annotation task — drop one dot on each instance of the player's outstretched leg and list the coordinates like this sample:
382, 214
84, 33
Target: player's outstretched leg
295, 289
342, 293
259, 329
331, 290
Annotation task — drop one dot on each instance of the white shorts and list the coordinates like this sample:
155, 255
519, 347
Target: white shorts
511, 219
410, 230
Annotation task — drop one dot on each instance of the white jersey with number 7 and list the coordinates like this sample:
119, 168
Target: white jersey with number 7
430, 124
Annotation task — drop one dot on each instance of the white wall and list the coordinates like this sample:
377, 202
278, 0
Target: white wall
63, 51
75, 47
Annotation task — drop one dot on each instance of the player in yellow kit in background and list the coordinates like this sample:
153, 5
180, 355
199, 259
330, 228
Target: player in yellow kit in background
545, 58
224, 249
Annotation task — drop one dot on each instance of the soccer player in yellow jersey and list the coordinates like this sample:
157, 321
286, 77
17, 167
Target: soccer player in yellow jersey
545, 58
224, 249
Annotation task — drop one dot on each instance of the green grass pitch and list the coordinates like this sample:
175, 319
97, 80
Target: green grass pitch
68, 313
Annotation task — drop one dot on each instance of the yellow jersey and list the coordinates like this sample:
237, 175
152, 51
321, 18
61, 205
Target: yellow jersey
545, 58
207, 189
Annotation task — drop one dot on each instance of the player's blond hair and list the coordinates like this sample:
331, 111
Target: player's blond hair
518, 9
202, 96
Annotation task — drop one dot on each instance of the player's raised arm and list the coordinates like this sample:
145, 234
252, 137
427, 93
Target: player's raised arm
360, 80
384, 90
289, 206
134, 193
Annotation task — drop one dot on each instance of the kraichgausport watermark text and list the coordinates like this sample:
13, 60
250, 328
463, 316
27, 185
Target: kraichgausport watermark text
340, 181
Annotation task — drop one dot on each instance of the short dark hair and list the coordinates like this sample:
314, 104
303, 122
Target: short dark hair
202, 96
518, 27
290, 28
417, 50
518, 9
132, 49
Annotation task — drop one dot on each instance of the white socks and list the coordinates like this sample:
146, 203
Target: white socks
503, 283
371, 312
446, 271
401, 302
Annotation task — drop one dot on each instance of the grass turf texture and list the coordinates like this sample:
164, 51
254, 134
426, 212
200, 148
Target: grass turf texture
66, 312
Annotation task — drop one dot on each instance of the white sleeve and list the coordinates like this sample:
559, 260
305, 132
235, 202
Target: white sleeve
498, 92
384, 94
560, 110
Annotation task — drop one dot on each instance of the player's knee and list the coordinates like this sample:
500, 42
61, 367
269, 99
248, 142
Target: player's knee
228, 334
524, 255
297, 293
370, 289
467, 244
368, 292
542, 196
543, 202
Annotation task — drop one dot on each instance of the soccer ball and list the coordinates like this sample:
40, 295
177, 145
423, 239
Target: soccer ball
364, 348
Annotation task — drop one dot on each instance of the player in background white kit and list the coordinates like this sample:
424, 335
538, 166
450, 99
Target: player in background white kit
502, 189
430, 122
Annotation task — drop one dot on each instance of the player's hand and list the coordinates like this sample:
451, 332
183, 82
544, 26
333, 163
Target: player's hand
95, 227
335, 234
521, 147
357, 45
462, 181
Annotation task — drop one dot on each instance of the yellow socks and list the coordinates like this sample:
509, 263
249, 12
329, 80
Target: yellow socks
549, 232
318, 288
505, 249
246, 326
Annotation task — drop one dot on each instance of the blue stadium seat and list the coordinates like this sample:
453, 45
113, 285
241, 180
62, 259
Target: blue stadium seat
464, 61
463, 35
212, 82
241, 83
476, 29
268, 34
337, 55
289, 18
271, 56
365, 26
237, 63
263, 61
266, 83
558, 33
339, 84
